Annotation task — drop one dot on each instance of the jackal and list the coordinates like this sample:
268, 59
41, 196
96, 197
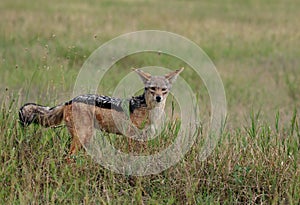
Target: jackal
86, 112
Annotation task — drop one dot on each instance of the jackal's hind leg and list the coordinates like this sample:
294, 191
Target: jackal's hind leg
82, 136
75, 144
79, 118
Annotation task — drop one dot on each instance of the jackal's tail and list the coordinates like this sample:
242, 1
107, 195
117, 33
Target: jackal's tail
45, 116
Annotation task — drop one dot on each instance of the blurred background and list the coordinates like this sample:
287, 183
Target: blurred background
254, 45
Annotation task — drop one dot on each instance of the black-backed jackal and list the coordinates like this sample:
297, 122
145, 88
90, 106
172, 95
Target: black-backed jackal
85, 112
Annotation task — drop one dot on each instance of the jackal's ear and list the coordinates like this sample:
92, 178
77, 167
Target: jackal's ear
171, 77
144, 76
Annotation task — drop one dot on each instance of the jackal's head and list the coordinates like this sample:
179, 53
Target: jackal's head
157, 88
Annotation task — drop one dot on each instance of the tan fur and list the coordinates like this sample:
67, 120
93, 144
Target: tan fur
81, 118
104, 120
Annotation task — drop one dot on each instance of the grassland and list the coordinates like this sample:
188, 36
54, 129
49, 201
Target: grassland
255, 46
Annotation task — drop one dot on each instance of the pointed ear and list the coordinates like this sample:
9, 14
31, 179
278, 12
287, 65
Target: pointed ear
173, 75
144, 76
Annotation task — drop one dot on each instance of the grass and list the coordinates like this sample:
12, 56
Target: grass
255, 47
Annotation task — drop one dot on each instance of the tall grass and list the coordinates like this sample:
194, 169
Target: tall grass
254, 164
255, 46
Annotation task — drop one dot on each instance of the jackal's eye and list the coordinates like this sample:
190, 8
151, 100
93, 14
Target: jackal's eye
152, 89
164, 90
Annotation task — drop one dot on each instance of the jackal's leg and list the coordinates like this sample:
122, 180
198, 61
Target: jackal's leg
75, 144
80, 123
81, 135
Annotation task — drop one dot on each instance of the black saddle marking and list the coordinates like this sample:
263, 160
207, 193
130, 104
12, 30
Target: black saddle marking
107, 102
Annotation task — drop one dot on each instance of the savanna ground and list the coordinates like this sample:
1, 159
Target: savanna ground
255, 46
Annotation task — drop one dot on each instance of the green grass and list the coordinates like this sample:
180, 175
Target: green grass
255, 47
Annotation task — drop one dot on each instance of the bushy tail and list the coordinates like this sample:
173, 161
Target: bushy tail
45, 116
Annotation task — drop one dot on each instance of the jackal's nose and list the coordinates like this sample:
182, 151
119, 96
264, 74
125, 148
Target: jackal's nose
158, 98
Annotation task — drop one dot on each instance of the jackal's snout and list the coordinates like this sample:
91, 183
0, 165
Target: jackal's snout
157, 93
158, 98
